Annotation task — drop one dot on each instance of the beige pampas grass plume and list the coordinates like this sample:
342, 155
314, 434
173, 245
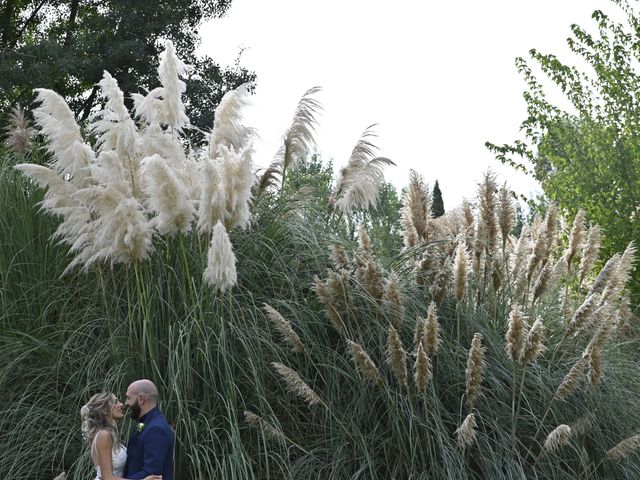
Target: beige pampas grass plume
488, 209
422, 370
582, 315
409, 232
296, 385
589, 254
62, 476
533, 344
431, 335
605, 274
335, 294
576, 237
466, 433
571, 380
624, 448
506, 213
418, 332
460, 271
557, 438
441, 282
397, 357
269, 430
621, 275
284, 328
360, 181
475, 370
542, 282
516, 333
417, 206
220, 273
393, 300
18, 133
364, 363
339, 257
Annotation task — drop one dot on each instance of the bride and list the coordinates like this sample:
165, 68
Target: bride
100, 430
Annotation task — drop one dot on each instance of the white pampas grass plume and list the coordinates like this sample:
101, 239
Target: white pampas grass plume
397, 357
269, 430
475, 370
227, 127
71, 155
211, 207
284, 328
299, 138
164, 105
557, 438
460, 271
624, 448
466, 433
571, 380
115, 128
590, 251
364, 363
393, 300
361, 179
221, 261
296, 385
18, 132
168, 197
422, 370
516, 333
238, 180
533, 344
409, 232
431, 336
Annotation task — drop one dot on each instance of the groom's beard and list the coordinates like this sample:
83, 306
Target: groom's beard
135, 410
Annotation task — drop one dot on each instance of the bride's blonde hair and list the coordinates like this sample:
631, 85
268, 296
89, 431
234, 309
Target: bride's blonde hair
95, 417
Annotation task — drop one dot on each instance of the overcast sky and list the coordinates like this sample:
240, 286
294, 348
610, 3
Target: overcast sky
437, 77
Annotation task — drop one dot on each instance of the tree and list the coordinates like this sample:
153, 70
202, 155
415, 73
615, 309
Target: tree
65, 46
589, 157
437, 206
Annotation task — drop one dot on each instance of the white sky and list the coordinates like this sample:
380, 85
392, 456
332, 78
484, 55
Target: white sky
437, 77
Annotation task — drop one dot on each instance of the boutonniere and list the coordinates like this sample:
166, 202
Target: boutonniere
140, 426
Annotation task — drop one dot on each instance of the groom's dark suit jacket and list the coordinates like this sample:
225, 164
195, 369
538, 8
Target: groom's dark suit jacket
150, 452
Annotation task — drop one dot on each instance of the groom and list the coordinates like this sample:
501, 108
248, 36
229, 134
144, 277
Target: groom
150, 448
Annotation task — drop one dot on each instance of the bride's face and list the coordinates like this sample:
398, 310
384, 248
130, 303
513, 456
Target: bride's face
117, 410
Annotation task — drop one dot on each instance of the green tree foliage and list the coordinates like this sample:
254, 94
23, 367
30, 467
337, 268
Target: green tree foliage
588, 156
65, 46
437, 207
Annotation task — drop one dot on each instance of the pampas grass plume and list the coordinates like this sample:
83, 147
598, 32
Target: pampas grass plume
533, 344
296, 385
466, 433
589, 253
460, 270
211, 206
422, 370
557, 438
393, 300
570, 381
284, 328
516, 333
397, 357
624, 448
269, 430
364, 363
475, 370
220, 273
431, 339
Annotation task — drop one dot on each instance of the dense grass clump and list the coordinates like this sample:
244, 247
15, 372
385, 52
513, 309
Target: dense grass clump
317, 353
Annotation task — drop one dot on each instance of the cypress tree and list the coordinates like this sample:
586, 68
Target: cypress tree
437, 206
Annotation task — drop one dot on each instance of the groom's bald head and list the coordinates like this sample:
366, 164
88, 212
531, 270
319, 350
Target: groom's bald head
142, 396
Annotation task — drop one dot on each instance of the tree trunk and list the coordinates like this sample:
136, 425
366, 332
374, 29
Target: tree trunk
86, 109
71, 24
5, 24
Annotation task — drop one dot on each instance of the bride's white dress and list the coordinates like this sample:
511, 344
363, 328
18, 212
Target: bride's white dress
118, 459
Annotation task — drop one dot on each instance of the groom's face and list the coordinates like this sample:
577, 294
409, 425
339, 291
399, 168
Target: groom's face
133, 402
